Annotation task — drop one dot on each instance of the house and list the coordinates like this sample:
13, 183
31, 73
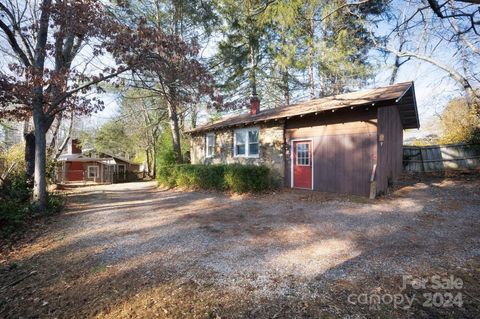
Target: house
88, 166
349, 143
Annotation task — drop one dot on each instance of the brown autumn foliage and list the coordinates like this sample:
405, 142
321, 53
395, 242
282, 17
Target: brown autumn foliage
43, 80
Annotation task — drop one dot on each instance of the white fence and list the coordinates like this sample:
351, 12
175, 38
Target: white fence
441, 157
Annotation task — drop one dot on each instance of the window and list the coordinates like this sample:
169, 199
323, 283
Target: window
240, 147
246, 142
210, 145
253, 142
303, 154
92, 171
121, 169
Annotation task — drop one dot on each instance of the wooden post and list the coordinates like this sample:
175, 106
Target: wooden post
373, 183
64, 167
421, 158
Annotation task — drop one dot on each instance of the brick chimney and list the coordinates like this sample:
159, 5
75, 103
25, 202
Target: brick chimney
254, 105
76, 147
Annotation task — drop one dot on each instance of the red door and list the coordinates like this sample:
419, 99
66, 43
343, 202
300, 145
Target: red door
302, 164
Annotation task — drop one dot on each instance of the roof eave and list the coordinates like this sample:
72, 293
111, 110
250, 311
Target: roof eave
412, 122
253, 120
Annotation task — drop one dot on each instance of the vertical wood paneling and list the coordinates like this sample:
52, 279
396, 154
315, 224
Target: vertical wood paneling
343, 163
390, 153
344, 149
441, 157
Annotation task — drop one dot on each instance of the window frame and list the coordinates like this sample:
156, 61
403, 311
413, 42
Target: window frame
97, 173
206, 145
308, 157
247, 142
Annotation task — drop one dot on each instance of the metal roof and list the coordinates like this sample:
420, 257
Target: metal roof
401, 94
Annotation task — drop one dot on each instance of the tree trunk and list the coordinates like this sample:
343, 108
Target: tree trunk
66, 139
30, 147
53, 143
29, 154
396, 66
311, 80
149, 166
40, 180
193, 118
286, 88
311, 57
253, 71
173, 121
154, 160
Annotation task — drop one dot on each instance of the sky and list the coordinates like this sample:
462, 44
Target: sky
432, 87
433, 90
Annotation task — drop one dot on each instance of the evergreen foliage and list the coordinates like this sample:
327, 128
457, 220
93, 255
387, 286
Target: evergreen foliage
235, 177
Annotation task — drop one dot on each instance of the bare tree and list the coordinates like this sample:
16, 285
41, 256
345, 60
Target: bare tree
427, 37
44, 38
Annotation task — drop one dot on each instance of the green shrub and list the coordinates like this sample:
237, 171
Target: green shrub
16, 188
15, 195
247, 178
12, 215
165, 153
237, 178
15, 207
54, 203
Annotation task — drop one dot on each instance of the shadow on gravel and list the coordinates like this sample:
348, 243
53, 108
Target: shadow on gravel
141, 252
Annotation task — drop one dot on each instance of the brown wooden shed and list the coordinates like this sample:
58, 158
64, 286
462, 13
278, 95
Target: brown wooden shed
349, 143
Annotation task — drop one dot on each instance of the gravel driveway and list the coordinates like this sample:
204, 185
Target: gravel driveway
132, 250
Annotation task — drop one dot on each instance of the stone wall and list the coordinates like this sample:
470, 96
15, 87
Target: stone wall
271, 136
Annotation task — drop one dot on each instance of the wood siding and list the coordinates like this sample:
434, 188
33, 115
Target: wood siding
440, 158
389, 165
345, 149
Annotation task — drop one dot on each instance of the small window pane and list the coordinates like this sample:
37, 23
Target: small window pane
210, 145
253, 136
92, 172
240, 141
240, 137
253, 149
303, 154
240, 149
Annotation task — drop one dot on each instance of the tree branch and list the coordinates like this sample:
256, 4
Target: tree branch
17, 29
14, 44
53, 109
452, 72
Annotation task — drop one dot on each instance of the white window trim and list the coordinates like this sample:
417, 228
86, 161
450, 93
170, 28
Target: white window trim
206, 145
309, 153
247, 144
96, 171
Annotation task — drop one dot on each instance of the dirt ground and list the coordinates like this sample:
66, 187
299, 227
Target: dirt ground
132, 250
